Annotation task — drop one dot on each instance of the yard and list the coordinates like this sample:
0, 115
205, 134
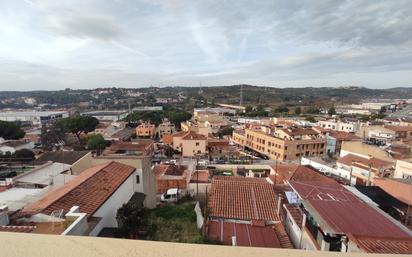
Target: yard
174, 223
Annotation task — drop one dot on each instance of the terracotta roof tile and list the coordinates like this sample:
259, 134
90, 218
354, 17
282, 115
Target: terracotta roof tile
249, 235
364, 163
89, 190
383, 244
293, 172
243, 199
342, 212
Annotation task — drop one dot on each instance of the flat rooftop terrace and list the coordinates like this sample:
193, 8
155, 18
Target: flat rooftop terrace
36, 245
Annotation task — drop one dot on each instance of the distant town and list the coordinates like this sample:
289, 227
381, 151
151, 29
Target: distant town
321, 169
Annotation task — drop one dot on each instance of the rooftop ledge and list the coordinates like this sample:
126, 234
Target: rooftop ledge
21, 244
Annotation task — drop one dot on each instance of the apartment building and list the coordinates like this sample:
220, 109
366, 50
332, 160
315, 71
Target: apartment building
283, 144
165, 128
146, 129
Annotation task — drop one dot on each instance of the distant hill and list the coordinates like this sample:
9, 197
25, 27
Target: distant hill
252, 95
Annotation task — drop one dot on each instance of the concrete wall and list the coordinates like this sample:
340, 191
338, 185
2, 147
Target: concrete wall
403, 169
84, 163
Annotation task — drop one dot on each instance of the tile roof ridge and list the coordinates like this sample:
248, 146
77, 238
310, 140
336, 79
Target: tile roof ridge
71, 184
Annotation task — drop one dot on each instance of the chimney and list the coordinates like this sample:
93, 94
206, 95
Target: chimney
234, 243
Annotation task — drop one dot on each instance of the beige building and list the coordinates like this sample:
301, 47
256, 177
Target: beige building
403, 169
283, 144
190, 143
165, 128
146, 130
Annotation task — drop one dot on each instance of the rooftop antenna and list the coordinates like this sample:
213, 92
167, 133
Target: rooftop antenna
241, 95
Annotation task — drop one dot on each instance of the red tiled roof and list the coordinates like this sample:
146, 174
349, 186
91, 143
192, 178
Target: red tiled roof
248, 235
22, 229
344, 136
243, 199
89, 190
364, 162
201, 176
193, 136
342, 212
383, 244
299, 131
169, 170
139, 145
295, 172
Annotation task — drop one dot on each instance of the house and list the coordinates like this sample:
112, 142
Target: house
338, 125
89, 202
146, 129
189, 143
330, 214
336, 138
11, 146
244, 212
165, 128
365, 169
171, 176
137, 154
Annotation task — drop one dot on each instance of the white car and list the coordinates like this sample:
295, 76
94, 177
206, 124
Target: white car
172, 195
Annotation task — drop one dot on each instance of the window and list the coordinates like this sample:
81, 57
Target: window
137, 179
197, 143
198, 151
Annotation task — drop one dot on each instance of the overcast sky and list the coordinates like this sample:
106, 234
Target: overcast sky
55, 44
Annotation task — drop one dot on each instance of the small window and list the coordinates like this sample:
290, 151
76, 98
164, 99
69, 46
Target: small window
137, 179
197, 143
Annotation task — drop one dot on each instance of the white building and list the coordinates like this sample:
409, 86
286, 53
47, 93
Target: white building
107, 115
36, 118
339, 125
89, 202
11, 146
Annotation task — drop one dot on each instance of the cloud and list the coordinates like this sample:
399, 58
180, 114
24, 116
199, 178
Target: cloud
101, 27
91, 43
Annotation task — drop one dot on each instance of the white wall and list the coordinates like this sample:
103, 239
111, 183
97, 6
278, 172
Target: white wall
108, 210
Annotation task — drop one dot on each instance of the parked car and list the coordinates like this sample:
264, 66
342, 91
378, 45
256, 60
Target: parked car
172, 195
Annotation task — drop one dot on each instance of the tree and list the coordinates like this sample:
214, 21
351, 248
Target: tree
52, 135
298, 110
80, 125
280, 110
23, 155
310, 119
131, 217
248, 109
10, 130
176, 116
332, 111
226, 131
96, 142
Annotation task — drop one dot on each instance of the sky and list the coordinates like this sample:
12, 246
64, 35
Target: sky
49, 44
